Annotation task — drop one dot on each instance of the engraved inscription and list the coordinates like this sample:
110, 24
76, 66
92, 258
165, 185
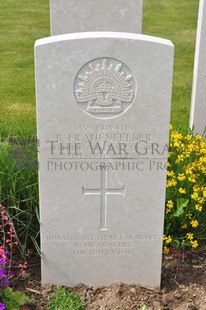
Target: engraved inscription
103, 243
102, 238
103, 191
104, 88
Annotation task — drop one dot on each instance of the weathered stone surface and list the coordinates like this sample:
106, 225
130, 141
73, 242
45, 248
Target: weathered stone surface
69, 16
103, 105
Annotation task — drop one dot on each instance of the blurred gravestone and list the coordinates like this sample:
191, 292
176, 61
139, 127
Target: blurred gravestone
198, 106
69, 16
22, 154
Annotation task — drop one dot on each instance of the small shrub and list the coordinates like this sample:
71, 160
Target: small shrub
185, 216
9, 299
65, 300
13, 300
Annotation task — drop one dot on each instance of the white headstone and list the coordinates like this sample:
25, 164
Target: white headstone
103, 105
69, 16
198, 106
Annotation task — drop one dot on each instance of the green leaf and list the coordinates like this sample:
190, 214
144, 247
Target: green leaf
181, 205
14, 300
65, 300
175, 243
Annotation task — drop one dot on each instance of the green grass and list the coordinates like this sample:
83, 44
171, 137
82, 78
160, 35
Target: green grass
19, 189
24, 21
21, 23
176, 20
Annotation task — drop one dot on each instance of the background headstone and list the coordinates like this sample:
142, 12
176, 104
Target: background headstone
69, 16
198, 106
103, 106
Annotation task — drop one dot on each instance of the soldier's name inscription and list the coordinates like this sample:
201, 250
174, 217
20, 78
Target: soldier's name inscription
105, 146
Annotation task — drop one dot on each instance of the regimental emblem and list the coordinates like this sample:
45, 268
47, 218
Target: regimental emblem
104, 88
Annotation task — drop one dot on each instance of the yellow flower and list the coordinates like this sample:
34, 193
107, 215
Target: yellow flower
194, 223
169, 154
187, 154
191, 178
195, 196
187, 138
189, 170
193, 147
171, 183
201, 200
189, 215
203, 151
190, 236
176, 136
203, 170
170, 173
168, 240
184, 226
194, 244
179, 158
170, 204
198, 138
196, 189
198, 207
166, 250
181, 177
182, 190
204, 191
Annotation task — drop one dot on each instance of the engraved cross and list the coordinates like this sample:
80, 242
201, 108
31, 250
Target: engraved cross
103, 191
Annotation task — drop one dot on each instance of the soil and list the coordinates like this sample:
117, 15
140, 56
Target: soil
183, 287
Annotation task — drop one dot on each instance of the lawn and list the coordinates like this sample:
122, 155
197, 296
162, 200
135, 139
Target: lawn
176, 20
22, 22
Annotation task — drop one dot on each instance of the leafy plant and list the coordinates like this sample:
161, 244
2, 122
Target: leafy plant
19, 188
13, 300
62, 299
9, 299
186, 191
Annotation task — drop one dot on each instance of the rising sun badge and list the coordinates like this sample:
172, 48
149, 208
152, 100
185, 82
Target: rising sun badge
104, 87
